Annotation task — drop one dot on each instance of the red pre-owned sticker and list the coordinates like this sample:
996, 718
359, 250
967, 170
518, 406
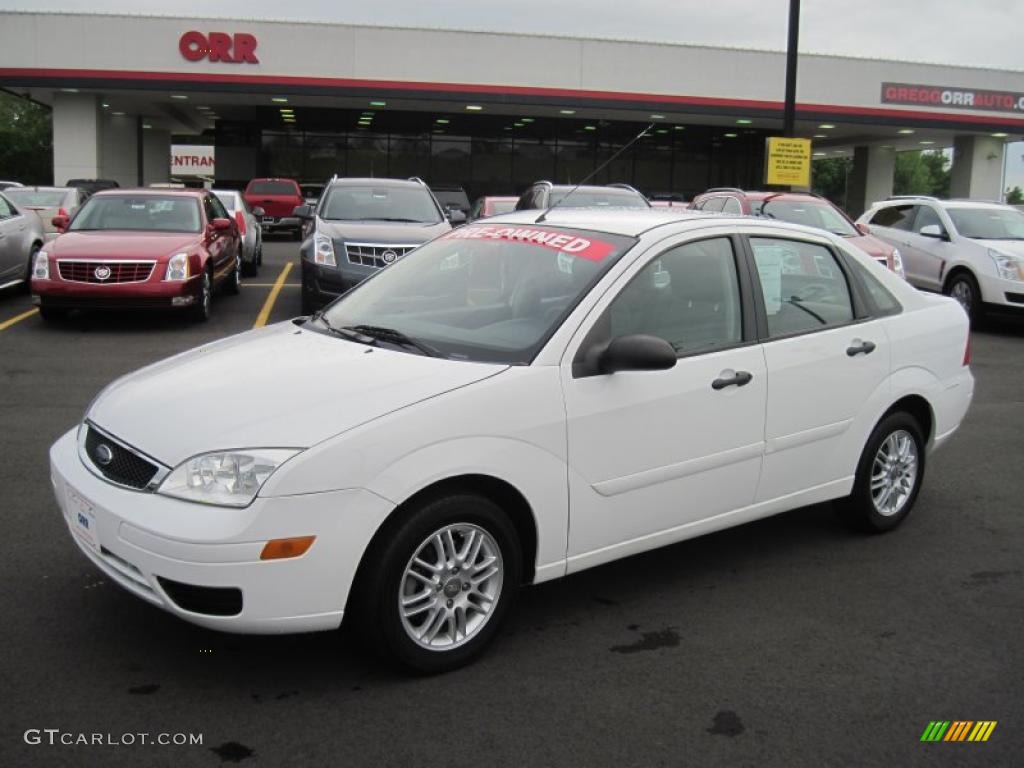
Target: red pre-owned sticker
563, 242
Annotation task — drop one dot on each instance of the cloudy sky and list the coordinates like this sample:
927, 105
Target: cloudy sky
973, 33
984, 33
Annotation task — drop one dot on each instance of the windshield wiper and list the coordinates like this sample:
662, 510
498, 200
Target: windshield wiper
345, 333
393, 336
407, 221
796, 301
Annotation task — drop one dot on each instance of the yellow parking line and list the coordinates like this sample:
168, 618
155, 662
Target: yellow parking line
264, 315
17, 319
247, 284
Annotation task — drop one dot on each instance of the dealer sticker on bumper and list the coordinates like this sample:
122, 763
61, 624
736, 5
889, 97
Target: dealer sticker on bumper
82, 520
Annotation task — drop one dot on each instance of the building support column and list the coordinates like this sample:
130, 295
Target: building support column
77, 132
871, 178
977, 168
156, 156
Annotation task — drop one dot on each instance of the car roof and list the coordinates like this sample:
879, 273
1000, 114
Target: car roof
159, 192
803, 197
42, 188
630, 221
950, 203
353, 181
596, 188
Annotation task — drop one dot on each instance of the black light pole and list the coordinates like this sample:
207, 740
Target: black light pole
789, 114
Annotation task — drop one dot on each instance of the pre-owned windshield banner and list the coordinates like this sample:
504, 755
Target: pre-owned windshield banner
952, 96
569, 243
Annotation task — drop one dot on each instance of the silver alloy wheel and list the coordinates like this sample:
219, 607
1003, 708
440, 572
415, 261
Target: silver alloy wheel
961, 291
894, 473
450, 586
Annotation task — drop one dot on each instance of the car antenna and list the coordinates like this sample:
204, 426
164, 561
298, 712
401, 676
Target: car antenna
593, 173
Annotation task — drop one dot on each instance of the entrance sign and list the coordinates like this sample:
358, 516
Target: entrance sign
192, 160
788, 162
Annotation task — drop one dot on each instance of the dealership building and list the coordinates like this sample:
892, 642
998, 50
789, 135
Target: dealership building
492, 112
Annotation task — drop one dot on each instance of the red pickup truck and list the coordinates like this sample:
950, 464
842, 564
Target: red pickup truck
278, 198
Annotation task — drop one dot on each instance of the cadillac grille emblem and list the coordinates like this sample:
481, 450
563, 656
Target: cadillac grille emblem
101, 272
103, 453
389, 257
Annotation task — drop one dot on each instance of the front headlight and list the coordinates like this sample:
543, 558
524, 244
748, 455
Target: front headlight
225, 478
897, 263
177, 267
41, 267
323, 251
1008, 267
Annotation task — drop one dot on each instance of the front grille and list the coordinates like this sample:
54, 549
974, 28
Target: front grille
375, 254
212, 601
123, 467
112, 271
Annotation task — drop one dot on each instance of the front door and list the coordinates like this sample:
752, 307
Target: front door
652, 452
12, 261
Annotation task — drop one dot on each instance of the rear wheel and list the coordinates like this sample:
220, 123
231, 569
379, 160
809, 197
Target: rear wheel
439, 585
964, 288
888, 477
251, 268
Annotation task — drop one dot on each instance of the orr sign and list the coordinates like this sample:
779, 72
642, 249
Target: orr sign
238, 48
951, 96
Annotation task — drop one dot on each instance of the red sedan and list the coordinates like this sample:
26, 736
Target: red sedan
139, 249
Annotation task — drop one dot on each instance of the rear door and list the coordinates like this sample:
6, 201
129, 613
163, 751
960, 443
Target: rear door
825, 359
893, 224
220, 245
928, 254
13, 256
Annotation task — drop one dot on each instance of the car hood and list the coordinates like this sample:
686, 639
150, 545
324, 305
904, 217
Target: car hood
277, 387
872, 246
383, 232
122, 245
1013, 248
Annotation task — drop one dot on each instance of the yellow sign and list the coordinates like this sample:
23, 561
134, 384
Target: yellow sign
788, 162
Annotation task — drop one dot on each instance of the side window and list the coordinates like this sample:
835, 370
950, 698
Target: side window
926, 215
894, 216
215, 208
688, 296
5, 209
731, 205
803, 286
885, 303
714, 204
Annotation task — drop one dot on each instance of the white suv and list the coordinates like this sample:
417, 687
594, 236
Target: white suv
970, 250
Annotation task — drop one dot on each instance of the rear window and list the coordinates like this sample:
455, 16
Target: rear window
229, 200
810, 214
272, 188
894, 216
602, 199
37, 198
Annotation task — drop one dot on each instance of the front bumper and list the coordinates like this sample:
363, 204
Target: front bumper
146, 543
151, 294
1002, 292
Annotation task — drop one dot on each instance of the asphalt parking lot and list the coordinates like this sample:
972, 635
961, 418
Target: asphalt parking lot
786, 642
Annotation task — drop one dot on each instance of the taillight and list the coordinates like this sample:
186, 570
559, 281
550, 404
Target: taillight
240, 218
62, 212
967, 351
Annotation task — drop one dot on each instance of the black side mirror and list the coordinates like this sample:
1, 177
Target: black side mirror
305, 212
933, 230
637, 352
455, 216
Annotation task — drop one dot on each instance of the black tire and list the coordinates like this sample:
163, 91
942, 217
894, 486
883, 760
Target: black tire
250, 268
233, 282
36, 248
859, 510
51, 315
382, 578
259, 251
297, 234
200, 311
964, 288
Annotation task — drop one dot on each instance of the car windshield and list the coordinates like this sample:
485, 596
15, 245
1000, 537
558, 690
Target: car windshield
820, 215
138, 213
354, 203
37, 198
597, 199
272, 188
988, 223
230, 200
485, 293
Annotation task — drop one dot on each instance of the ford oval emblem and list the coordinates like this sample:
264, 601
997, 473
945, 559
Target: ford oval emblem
389, 257
101, 272
104, 455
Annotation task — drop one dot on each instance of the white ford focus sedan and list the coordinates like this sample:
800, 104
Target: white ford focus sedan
511, 402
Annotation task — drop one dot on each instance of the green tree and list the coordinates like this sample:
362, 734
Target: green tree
26, 140
921, 173
829, 178
1015, 196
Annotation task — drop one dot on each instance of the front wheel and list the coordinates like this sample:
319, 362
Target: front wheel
888, 477
234, 281
201, 309
441, 583
964, 288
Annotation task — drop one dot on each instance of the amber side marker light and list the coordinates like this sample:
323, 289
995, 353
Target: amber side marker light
279, 549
